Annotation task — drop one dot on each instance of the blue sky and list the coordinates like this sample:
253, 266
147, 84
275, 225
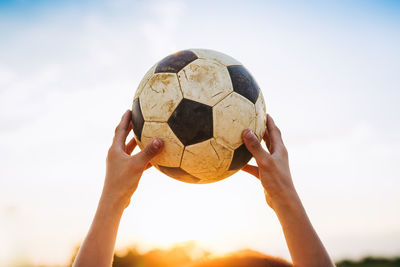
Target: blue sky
329, 74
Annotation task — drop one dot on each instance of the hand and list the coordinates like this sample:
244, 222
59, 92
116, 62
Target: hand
123, 171
273, 166
305, 247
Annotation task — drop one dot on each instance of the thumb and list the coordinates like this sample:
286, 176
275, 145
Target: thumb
150, 151
253, 145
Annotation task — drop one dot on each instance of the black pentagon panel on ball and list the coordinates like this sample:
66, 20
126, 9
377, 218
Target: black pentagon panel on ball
137, 119
175, 62
192, 122
243, 83
240, 158
176, 172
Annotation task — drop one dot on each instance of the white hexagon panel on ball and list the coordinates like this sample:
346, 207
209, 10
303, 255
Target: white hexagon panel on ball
205, 81
160, 96
207, 160
231, 117
172, 151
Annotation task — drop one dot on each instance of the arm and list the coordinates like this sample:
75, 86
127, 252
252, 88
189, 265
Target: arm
305, 247
123, 173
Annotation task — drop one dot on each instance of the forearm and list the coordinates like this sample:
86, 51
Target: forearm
98, 246
123, 173
305, 247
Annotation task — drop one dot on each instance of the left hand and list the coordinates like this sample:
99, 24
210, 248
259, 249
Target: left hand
123, 171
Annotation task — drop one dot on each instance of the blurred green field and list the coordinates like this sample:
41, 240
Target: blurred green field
370, 262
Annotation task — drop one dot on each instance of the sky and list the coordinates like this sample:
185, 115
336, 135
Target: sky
329, 72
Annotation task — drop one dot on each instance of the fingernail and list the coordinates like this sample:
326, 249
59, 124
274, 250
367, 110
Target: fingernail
156, 143
248, 134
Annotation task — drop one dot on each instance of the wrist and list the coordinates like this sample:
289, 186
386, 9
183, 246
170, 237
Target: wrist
285, 200
114, 201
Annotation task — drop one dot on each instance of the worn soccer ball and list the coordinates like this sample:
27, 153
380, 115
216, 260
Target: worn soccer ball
198, 102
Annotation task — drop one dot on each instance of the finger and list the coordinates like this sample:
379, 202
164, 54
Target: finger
148, 166
150, 151
267, 139
130, 146
275, 136
253, 145
122, 130
252, 170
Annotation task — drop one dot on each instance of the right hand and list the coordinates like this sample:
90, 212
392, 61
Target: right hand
305, 247
273, 166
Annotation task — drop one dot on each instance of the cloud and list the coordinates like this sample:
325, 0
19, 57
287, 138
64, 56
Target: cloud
162, 26
91, 52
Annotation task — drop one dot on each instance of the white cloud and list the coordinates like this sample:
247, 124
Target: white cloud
162, 27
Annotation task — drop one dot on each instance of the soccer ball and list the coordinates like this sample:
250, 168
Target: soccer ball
198, 102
